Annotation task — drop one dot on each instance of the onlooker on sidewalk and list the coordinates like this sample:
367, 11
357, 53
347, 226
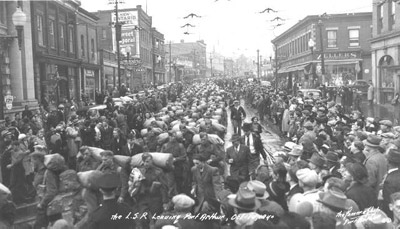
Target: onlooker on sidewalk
396, 109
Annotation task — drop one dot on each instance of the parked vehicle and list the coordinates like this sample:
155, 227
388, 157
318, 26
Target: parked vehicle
315, 92
360, 85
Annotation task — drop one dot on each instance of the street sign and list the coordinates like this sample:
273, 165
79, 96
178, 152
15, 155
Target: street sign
134, 62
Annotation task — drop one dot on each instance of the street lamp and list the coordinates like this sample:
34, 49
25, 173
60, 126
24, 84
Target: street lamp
19, 20
311, 45
320, 24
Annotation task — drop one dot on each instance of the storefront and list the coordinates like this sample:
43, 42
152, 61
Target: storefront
109, 79
90, 82
58, 83
388, 73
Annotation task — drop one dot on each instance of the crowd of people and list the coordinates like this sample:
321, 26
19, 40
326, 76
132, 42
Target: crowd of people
160, 159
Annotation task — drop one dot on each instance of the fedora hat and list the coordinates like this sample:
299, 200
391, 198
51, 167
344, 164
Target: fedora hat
235, 137
245, 199
373, 141
334, 199
332, 157
259, 188
317, 160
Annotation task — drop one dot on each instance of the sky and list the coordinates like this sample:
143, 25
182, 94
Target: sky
231, 27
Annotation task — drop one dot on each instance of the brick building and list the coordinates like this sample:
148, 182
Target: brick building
55, 49
345, 45
137, 40
385, 45
188, 60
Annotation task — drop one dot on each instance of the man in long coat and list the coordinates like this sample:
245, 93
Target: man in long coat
237, 156
206, 182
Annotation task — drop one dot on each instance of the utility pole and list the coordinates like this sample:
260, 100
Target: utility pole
276, 67
194, 63
211, 65
320, 24
170, 62
261, 66
258, 63
117, 39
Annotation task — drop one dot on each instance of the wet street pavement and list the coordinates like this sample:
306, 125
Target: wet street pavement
386, 111
271, 139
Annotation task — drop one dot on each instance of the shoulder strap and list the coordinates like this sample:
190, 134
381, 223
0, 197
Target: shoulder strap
44, 177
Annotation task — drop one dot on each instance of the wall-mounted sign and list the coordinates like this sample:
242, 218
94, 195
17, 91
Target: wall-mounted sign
340, 55
8, 99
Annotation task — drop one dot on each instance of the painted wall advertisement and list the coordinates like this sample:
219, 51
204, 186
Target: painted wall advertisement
129, 20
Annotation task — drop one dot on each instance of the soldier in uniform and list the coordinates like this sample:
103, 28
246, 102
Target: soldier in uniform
110, 214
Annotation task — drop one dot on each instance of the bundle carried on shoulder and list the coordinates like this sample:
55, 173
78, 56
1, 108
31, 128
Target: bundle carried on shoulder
162, 138
148, 122
88, 179
69, 181
213, 138
162, 160
122, 160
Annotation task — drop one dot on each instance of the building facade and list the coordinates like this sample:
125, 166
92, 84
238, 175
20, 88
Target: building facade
342, 39
385, 45
181, 54
138, 65
89, 67
56, 53
158, 57
16, 61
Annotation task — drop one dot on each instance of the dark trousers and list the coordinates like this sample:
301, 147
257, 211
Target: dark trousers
237, 124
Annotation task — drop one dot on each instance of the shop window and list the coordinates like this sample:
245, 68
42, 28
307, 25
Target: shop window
52, 38
40, 31
354, 37
332, 38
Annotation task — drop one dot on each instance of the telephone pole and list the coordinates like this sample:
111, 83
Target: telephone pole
211, 65
258, 63
170, 62
117, 39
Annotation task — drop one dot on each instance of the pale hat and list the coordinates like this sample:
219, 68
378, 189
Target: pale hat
307, 176
182, 201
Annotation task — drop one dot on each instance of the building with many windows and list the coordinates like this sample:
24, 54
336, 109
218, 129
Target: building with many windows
188, 60
89, 67
339, 41
56, 52
136, 44
385, 45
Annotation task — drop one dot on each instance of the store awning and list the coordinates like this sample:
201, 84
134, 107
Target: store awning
293, 68
342, 62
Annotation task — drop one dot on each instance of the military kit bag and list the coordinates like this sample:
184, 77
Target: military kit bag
69, 181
